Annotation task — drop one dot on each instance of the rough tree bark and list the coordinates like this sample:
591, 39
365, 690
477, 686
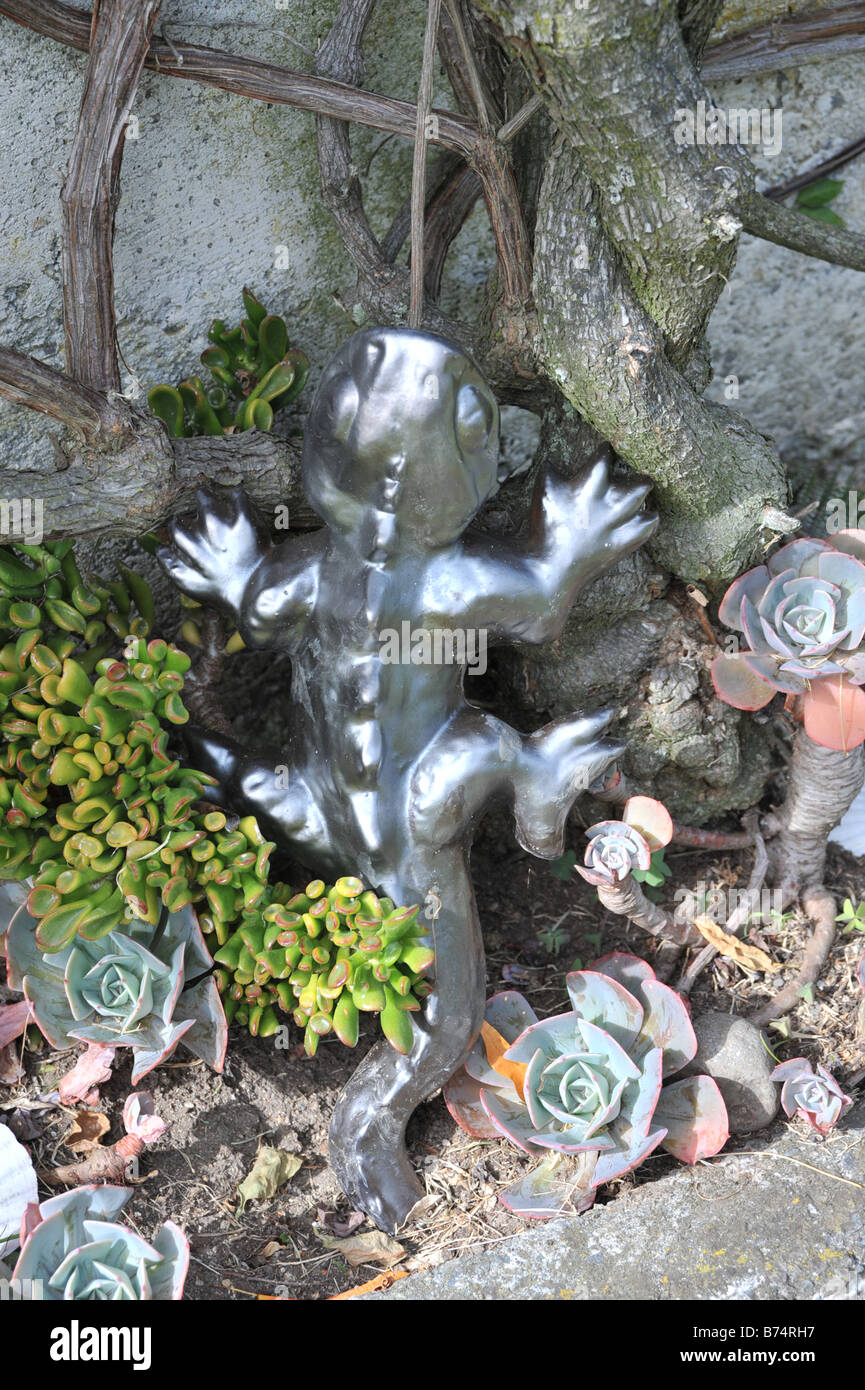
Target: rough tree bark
612, 245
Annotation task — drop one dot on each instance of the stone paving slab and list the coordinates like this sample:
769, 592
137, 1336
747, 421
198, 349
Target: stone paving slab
747, 1226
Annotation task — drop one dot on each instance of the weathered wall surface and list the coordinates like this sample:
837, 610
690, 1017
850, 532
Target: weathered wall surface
214, 185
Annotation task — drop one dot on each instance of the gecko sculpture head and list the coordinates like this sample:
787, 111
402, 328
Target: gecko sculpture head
402, 442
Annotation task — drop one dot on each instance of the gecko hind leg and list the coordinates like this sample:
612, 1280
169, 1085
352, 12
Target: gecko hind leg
557, 763
477, 757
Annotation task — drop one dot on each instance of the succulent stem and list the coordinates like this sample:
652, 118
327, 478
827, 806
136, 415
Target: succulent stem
821, 786
627, 899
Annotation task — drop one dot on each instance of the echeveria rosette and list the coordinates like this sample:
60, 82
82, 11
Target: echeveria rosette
813, 1095
80, 1253
592, 1087
124, 990
617, 847
614, 851
803, 617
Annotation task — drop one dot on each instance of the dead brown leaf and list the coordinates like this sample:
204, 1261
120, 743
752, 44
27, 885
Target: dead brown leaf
370, 1247
87, 1131
11, 1070
742, 952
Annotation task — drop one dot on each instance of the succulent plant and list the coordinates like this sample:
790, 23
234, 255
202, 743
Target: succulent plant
94, 810
813, 1095
135, 987
79, 1252
588, 1083
803, 617
254, 374
616, 848
325, 956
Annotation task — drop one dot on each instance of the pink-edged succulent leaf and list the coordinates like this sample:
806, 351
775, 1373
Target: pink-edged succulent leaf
511, 1119
651, 819
614, 1165
14, 1018
794, 555
598, 998
813, 1095
667, 1025
695, 1117
92, 1068
552, 1035
860, 971
640, 1100
738, 685
750, 585
834, 713
462, 1096
556, 1187
510, 1014
140, 1119
208, 1036
629, 970
851, 542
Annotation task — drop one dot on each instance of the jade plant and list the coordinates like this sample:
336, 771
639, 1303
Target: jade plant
137, 987
588, 1084
74, 1246
325, 956
97, 815
802, 616
254, 373
814, 1096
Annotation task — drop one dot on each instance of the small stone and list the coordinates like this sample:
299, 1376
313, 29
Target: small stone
731, 1051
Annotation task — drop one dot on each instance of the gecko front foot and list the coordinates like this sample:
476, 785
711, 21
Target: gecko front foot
213, 557
558, 762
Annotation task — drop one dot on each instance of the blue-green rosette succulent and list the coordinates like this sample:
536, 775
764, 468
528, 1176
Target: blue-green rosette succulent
588, 1084
79, 1252
136, 988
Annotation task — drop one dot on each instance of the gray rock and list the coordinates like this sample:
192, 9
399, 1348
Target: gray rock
731, 1051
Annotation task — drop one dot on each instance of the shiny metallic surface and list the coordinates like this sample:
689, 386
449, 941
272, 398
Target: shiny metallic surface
389, 765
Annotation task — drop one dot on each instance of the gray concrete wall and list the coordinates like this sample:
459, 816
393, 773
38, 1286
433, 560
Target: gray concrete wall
215, 184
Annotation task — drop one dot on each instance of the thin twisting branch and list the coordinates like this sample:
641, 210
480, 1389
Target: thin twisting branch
120, 40
34, 384
788, 41
418, 174
250, 77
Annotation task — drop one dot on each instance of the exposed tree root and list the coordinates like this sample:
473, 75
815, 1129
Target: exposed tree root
627, 899
821, 787
821, 908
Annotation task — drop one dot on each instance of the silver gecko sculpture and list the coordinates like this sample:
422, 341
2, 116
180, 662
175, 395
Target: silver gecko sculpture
388, 764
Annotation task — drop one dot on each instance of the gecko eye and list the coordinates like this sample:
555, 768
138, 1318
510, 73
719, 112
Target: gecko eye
342, 407
474, 420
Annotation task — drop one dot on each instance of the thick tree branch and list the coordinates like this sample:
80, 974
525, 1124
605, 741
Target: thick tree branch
119, 474
787, 42
714, 473
668, 207
786, 227
119, 43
